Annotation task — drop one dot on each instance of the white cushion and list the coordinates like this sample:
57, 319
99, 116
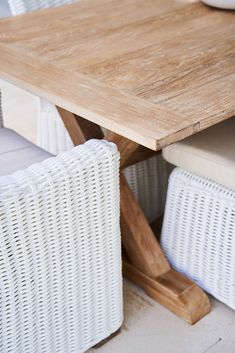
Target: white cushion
209, 154
17, 153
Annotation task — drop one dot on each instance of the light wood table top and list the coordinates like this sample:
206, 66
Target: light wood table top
154, 71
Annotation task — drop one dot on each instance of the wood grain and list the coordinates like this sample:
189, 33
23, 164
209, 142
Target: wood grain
137, 236
176, 292
79, 129
141, 154
153, 71
126, 147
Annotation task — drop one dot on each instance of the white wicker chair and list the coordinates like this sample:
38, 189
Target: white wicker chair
198, 235
147, 179
60, 258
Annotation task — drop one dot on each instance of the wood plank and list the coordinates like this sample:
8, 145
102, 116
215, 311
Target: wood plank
147, 71
137, 236
78, 19
111, 43
113, 109
174, 291
126, 147
141, 154
111, 27
79, 129
207, 102
152, 75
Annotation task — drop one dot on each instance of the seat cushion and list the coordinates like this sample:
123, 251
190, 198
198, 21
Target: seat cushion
209, 154
17, 153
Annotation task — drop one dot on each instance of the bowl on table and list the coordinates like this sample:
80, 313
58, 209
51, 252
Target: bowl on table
222, 4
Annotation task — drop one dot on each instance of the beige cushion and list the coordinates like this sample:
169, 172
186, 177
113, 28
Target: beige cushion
17, 153
210, 153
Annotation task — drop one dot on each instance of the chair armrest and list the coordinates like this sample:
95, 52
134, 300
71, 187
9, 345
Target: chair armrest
74, 184
93, 158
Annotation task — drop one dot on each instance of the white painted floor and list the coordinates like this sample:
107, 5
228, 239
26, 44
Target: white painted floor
148, 327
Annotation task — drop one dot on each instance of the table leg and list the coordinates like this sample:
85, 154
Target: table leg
146, 264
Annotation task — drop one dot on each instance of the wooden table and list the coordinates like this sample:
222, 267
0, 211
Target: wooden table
152, 72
